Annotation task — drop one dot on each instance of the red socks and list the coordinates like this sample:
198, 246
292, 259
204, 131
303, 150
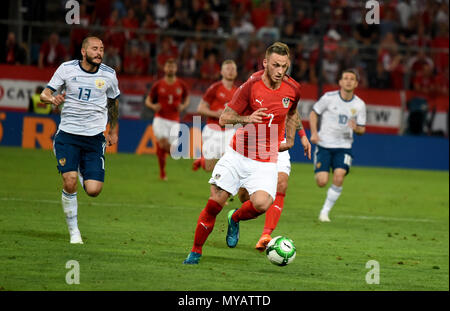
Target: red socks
205, 224
247, 211
273, 213
161, 154
198, 163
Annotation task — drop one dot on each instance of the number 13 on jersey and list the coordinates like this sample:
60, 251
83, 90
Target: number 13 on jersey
84, 94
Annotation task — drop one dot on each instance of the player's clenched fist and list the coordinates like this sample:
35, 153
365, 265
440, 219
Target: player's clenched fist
58, 99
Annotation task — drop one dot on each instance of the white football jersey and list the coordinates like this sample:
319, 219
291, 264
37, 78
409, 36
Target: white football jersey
335, 114
85, 109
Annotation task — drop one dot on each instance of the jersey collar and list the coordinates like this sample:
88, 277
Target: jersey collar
81, 67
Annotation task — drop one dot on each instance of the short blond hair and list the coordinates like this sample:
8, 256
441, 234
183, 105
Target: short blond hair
278, 48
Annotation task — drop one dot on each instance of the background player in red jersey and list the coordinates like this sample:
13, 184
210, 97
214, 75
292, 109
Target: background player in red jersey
167, 98
215, 137
264, 105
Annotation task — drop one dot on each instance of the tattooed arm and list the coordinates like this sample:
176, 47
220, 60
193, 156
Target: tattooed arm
113, 117
229, 116
292, 123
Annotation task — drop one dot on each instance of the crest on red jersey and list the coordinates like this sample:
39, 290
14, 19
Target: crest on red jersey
286, 102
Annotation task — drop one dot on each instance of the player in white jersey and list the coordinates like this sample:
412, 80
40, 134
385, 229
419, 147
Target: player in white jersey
342, 114
89, 91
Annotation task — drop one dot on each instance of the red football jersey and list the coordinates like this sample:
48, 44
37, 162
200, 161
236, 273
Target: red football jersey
169, 96
217, 96
260, 141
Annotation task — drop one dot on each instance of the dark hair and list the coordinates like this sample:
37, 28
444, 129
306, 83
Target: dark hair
278, 48
351, 70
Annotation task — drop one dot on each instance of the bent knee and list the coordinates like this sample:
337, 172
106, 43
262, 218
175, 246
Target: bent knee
93, 188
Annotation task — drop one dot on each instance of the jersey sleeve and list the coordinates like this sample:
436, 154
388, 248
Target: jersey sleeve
361, 116
113, 91
241, 99
321, 105
57, 81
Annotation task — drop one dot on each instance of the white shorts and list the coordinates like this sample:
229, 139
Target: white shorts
162, 128
215, 142
234, 171
284, 162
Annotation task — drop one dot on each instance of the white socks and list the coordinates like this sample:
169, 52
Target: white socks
70, 207
333, 194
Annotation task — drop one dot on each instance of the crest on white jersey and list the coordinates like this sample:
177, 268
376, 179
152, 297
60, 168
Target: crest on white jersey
99, 83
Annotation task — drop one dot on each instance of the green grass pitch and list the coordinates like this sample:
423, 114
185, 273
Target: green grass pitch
139, 230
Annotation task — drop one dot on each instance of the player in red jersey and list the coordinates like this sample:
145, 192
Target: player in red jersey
263, 106
215, 137
167, 98
273, 214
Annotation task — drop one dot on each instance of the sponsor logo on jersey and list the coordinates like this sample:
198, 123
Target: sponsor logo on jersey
99, 83
286, 102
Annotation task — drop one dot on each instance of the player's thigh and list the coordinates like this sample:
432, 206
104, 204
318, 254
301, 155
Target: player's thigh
263, 177
322, 159
322, 164
67, 151
226, 174
342, 159
92, 164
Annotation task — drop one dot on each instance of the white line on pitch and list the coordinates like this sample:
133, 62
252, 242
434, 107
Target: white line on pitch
385, 218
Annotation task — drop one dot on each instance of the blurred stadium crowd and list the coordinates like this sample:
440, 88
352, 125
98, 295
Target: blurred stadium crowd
407, 50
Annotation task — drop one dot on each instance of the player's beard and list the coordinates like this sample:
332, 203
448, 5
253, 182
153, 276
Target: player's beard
90, 61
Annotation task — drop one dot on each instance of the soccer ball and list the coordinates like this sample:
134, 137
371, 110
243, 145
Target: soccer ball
281, 251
